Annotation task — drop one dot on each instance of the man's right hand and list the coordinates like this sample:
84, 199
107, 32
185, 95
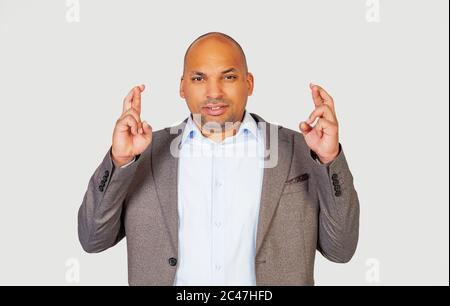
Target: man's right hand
131, 136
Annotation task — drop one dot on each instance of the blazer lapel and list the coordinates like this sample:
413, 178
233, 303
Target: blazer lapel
165, 174
278, 161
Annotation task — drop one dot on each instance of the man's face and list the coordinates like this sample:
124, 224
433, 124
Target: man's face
215, 83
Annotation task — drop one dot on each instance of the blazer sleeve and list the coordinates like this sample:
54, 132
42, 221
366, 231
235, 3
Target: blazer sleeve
100, 223
339, 209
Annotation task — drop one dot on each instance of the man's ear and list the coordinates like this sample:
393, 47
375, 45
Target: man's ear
250, 83
181, 87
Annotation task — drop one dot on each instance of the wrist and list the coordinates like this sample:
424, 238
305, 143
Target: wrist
120, 161
329, 158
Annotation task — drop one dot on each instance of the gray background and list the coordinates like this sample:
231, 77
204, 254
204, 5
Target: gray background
61, 90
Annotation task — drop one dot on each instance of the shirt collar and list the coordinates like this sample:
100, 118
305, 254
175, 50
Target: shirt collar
248, 126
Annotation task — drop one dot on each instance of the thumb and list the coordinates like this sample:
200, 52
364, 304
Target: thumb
305, 128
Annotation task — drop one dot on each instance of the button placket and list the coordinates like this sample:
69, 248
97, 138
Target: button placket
217, 209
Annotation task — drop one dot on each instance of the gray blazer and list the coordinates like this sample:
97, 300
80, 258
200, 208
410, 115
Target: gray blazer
304, 206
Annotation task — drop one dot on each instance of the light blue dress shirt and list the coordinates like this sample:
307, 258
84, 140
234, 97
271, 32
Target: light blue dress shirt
219, 193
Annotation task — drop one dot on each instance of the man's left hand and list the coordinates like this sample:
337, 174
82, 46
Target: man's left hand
323, 137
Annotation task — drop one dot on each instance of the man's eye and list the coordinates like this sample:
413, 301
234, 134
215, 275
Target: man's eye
197, 79
230, 77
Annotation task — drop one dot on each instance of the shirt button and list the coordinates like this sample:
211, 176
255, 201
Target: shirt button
218, 267
219, 184
218, 224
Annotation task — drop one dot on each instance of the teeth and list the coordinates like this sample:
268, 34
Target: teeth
215, 108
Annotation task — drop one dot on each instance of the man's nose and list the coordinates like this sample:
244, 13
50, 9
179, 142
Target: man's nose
214, 89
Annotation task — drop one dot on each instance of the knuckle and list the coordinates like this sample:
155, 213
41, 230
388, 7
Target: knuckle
130, 118
326, 108
133, 113
319, 109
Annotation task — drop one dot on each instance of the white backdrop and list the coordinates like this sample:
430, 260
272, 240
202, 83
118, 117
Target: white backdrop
66, 65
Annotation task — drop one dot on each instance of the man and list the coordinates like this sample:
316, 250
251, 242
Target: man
222, 199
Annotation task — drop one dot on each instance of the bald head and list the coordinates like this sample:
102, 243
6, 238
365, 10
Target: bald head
219, 38
215, 82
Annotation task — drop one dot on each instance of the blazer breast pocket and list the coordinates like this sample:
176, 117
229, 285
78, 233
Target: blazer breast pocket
297, 184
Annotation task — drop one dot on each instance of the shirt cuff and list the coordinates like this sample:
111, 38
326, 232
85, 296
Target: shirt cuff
129, 163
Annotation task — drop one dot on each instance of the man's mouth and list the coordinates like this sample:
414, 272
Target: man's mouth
215, 109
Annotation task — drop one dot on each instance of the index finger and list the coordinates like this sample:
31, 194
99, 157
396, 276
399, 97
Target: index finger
129, 100
318, 100
320, 94
136, 99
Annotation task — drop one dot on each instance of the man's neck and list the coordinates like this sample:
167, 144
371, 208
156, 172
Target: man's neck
218, 136
221, 135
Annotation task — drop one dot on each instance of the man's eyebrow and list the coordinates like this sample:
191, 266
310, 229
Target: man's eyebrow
223, 72
197, 73
230, 70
